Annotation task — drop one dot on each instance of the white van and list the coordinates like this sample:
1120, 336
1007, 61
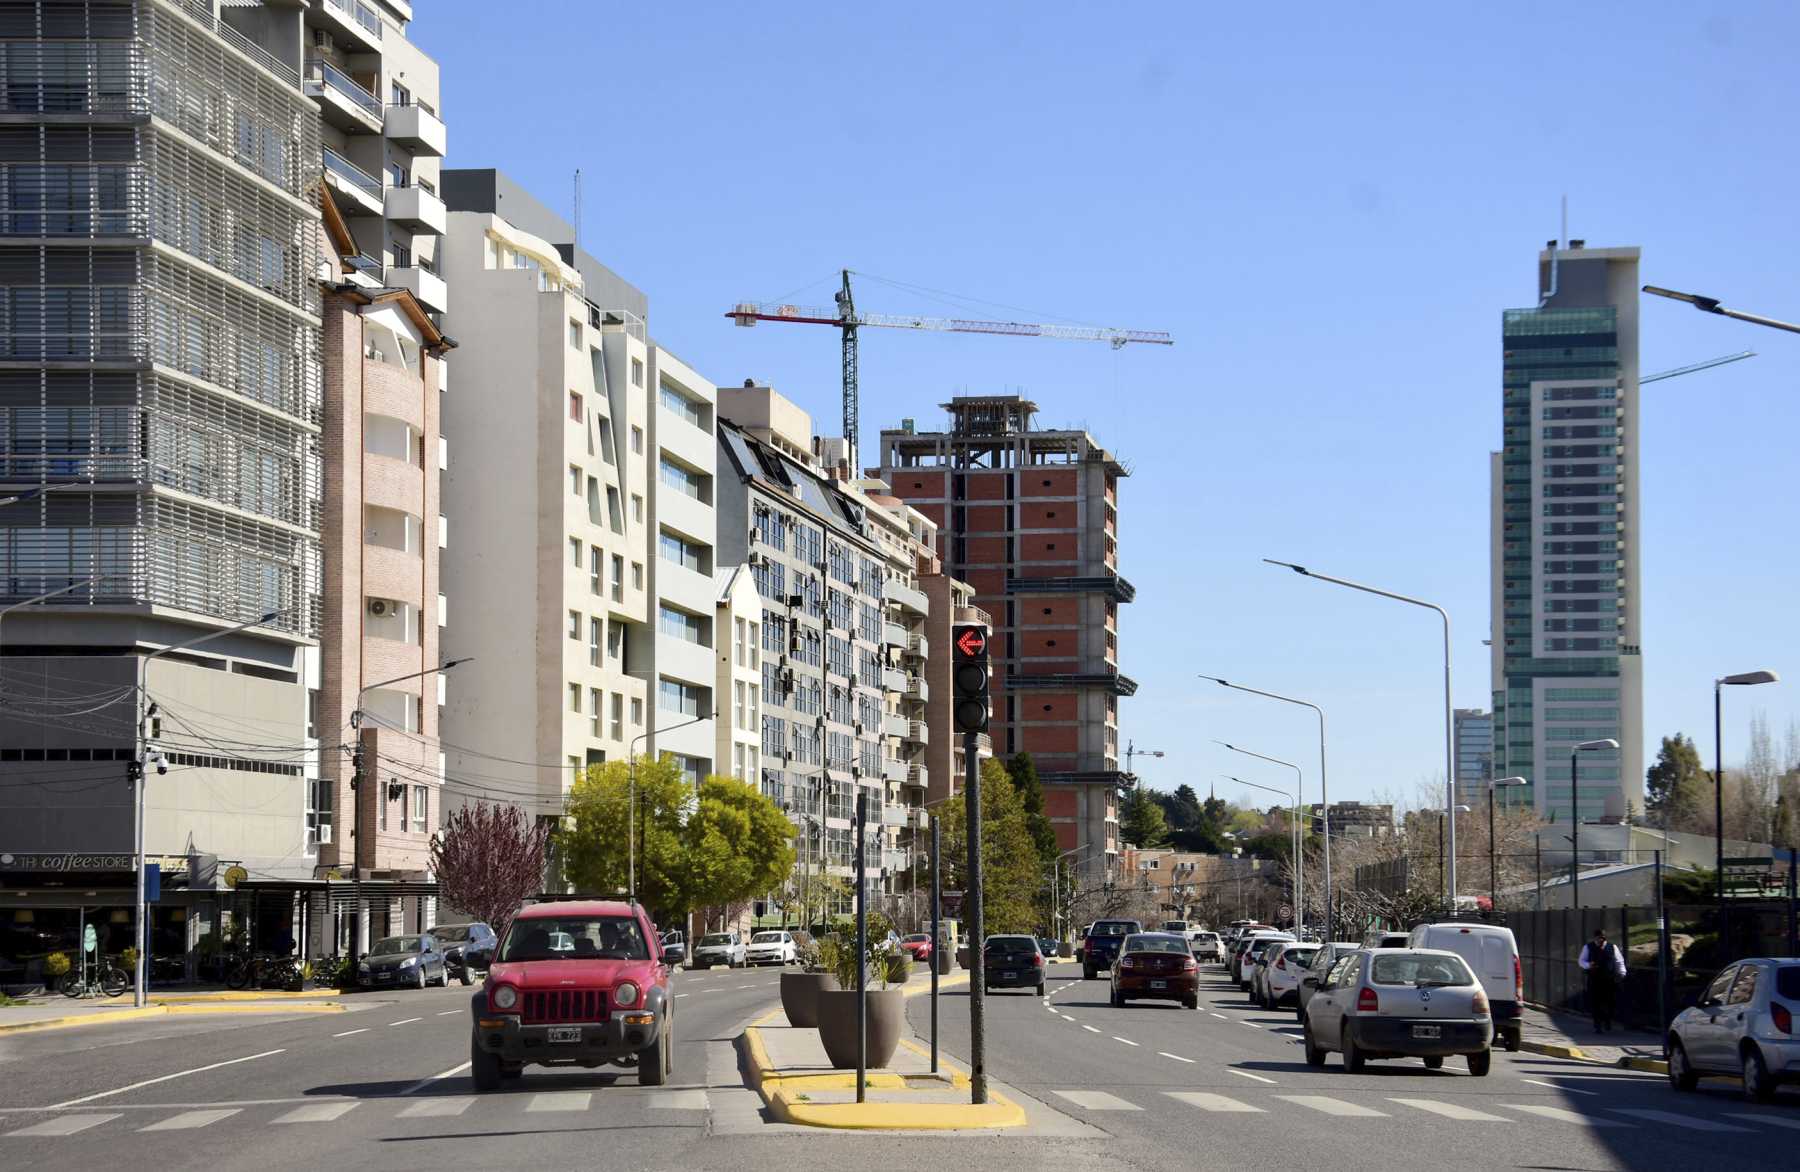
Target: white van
1494, 955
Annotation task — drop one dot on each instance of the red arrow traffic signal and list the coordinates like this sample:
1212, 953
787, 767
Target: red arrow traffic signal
971, 642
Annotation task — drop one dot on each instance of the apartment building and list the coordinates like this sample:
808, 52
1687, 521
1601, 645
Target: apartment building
1356, 819
160, 418
1566, 652
1029, 518
583, 453
1474, 741
738, 744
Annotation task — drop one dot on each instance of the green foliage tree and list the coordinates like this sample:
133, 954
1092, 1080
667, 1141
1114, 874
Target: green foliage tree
738, 843
1010, 872
1023, 772
1677, 785
1141, 819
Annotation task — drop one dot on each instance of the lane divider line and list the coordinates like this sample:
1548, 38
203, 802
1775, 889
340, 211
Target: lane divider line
347, 1033
1127, 1041
1090, 1029
1247, 1074
405, 1021
425, 1082
1176, 1057
164, 1078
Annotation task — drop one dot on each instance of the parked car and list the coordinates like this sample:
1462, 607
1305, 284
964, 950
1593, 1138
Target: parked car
604, 1000
1279, 978
918, 946
1048, 946
1259, 955
1178, 927
1206, 946
1101, 946
1743, 1024
1399, 1003
458, 939
1384, 938
1240, 958
1316, 968
1013, 962
726, 948
403, 960
1156, 966
1494, 955
674, 946
772, 947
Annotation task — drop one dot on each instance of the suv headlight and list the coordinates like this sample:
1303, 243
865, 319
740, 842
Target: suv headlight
505, 997
626, 994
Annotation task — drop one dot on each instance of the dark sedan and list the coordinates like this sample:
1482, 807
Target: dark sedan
1157, 966
1013, 962
403, 960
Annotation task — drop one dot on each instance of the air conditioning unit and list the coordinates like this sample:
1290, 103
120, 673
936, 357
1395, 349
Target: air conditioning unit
382, 607
322, 40
325, 835
755, 559
796, 600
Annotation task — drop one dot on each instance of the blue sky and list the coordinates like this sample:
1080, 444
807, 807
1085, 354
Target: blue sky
1327, 205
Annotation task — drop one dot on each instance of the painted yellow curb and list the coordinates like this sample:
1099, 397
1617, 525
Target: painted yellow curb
1647, 1065
275, 1008
782, 1095
245, 995
951, 982
1555, 1050
103, 1017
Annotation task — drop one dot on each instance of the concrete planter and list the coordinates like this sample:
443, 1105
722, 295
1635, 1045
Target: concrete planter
800, 996
962, 957
837, 1026
945, 962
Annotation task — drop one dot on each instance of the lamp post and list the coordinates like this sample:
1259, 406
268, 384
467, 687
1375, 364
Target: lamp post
1453, 812
1299, 833
1493, 844
1742, 679
1294, 834
1575, 808
135, 770
1449, 717
1711, 305
1324, 796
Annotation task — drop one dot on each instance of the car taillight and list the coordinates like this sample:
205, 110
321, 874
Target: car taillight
1037, 960
1367, 1002
1282, 963
1518, 981
1189, 964
1479, 1004
1778, 1013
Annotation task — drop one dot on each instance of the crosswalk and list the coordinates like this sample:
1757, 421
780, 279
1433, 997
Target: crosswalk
494, 1109
1461, 1111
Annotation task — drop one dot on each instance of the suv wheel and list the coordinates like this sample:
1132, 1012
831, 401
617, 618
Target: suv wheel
1353, 1058
1681, 1071
1480, 1061
1314, 1055
1087, 972
484, 1068
1758, 1086
657, 1060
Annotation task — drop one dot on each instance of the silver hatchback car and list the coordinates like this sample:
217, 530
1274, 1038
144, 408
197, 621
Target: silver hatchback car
1742, 1025
1400, 1003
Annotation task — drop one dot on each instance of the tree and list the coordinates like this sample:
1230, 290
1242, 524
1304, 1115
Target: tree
738, 844
1677, 786
1023, 772
1010, 873
1141, 819
488, 859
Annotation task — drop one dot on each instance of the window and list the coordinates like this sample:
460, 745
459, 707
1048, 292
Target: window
637, 379
680, 405
421, 806
738, 629
575, 625
575, 413
575, 551
637, 509
637, 575
637, 713
401, 95
594, 704
618, 578
575, 479
382, 802
686, 554
684, 480
615, 641
596, 629
574, 333
594, 562
637, 440
618, 709
574, 697
679, 624
674, 696
755, 656
1743, 991
615, 516
738, 697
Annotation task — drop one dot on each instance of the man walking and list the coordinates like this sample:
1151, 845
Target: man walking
1605, 968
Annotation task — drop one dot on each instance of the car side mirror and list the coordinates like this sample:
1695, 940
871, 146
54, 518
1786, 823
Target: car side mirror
1312, 982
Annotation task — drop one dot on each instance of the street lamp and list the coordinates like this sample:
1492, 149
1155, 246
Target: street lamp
135, 770
1575, 807
1299, 841
1449, 718
1293, 833
1742, 679
1451, 818
1324, 797
1711, 305
1493, 845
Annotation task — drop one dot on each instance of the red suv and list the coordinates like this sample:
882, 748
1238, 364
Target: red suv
575, 984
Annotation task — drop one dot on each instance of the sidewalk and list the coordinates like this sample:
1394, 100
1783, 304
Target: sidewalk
1571, 1035
58, 1012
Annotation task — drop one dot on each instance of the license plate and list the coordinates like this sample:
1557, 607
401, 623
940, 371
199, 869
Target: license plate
1159, 984
384, 976
1009, 975
565, 1034
1428, 1031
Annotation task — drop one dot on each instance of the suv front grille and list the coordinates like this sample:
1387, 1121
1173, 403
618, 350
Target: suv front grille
551, 1006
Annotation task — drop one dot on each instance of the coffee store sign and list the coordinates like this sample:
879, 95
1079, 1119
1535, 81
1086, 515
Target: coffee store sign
69, 861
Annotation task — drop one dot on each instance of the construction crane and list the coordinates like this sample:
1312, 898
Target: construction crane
848, 321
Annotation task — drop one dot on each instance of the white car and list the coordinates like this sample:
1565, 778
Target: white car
726, 948
1279, 980
772, 947
1399, 1003
1206, 946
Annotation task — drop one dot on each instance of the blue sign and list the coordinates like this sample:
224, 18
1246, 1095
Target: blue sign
152, 882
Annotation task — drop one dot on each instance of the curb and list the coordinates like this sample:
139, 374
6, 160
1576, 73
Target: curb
782, 1094
1628, 1062
1555, 1050
247, 995
103, 1017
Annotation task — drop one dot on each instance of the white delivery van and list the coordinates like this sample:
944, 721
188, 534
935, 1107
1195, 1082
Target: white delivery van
1494, 955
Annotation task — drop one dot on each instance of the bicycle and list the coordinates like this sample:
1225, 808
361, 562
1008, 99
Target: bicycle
102, 977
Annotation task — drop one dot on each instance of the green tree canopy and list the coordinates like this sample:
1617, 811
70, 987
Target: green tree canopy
1023, 772
1010, 872
1141, 819
1677, 785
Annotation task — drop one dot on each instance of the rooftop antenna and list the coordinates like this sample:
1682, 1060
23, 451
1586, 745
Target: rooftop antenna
1564, 238
577, 247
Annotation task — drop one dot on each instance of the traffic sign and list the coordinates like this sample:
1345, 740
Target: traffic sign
90, 941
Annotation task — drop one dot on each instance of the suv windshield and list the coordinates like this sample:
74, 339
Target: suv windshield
1114, 928
715, 938
397, 946
575, 938
1428, 971
455, 933
1011, 946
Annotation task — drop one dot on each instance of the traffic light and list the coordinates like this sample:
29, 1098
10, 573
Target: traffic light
969, 675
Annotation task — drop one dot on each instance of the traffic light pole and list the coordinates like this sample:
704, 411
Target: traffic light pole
977, 937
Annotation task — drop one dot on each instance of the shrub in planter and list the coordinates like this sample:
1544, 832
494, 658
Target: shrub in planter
837, 1011
800, 991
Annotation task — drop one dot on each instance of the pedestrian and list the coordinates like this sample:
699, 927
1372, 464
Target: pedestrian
1605, 968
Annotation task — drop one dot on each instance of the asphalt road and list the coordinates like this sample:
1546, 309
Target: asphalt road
1178, 1088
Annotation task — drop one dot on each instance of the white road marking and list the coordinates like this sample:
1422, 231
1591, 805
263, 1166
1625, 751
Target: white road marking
188, 1120
560, 1101
437, 1107
753, 986
425, 1082
1771, 1120
1253, 1025
1220, 1016
680, 995
1564, 1115
690, 1100
405, 1021
1090, 1029
448, 1012
1127, 1041
1247, 1074
164, 1078
317, 1113
347, 1033
1690, 1122
1098, 1101
1553, 1086
1209, 1102
1450, 1110
1176, 1057
63, 1125
1330, 1106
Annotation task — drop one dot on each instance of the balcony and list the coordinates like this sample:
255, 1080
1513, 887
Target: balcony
918, 775
423, 284
343, 101
893, 634
416, 210
916, 689
893, 769
893, 680
900, 594
359, 191
351, 22
917, 732
416, 127
893, 724
893, 814
918, 647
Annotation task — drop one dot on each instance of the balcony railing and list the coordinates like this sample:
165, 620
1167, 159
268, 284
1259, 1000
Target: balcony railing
362, 14
350, 173
321, 70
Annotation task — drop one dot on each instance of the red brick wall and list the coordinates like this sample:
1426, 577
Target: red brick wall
1047, 482
1047, 547
1052, 738
988, 550
987, 486
1059, 802
922, 484
1049, 706
1049, 645
1048, 611
1057, 515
